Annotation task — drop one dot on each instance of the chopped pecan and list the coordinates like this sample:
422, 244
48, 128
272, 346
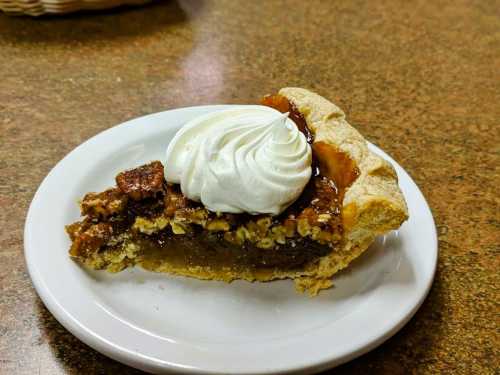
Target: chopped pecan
90, 240
174, 200
142, 182
105, 204
78, 227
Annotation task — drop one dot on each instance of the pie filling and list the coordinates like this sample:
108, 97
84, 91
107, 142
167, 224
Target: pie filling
146, 221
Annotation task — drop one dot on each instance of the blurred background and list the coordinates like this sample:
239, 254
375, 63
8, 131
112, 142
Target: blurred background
419, 79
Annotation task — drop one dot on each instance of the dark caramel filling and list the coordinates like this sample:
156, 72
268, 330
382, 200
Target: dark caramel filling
202, 248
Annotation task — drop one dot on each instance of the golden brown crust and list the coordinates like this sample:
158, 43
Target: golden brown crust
374, 204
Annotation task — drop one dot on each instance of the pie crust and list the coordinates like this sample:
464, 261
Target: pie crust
371, 206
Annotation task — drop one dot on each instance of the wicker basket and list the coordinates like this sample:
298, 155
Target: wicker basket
39, 7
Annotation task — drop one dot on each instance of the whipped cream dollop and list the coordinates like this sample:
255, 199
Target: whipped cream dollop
246, 159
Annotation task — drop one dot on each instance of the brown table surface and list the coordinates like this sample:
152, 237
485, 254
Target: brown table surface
419, 79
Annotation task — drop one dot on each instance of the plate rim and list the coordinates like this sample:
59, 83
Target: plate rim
138, 360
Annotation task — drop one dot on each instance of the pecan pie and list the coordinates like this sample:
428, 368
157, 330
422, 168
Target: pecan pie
352, 196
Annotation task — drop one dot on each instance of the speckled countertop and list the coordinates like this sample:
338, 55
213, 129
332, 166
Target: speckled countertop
420, 79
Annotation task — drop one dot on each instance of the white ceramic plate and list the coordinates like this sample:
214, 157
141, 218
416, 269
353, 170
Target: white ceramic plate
162, 323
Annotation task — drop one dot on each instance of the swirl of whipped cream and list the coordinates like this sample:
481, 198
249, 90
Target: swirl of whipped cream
248, 159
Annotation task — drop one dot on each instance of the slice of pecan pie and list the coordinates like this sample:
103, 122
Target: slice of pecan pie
351, 197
